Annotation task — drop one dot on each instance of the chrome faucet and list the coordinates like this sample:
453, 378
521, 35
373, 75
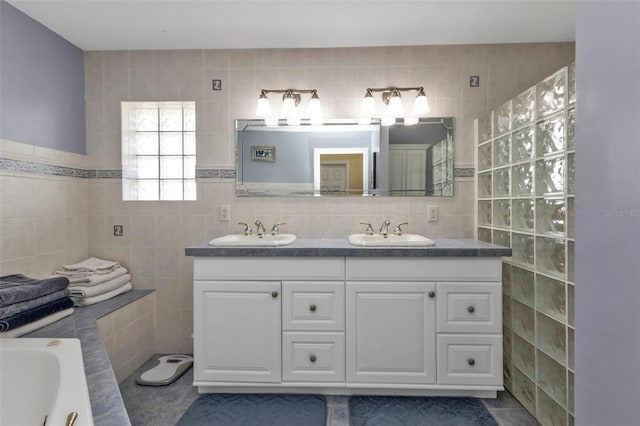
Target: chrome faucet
247, 228
275, 230
397, 230
260, 229
369, 230
384, 229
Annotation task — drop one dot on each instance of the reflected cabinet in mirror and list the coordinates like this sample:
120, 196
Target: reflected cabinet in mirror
344, 158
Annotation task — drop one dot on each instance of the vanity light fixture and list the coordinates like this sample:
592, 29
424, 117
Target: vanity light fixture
391, 96
290, 101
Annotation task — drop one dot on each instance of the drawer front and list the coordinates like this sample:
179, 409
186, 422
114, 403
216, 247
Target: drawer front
469, 359
312, 357
313, 306
421, 269
268, 268
469, 308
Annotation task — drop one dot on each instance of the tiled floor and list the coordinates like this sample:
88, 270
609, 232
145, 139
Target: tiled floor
164, 405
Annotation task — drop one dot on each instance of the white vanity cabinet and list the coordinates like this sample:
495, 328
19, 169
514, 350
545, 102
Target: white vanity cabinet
268, 321
391, 332
348, 325
237, 334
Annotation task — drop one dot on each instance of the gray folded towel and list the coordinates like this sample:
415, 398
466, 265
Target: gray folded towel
16, 308
19, 288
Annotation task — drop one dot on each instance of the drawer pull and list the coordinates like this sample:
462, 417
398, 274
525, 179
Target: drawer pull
274, 294
471, 361
312, 308
312, 358
471, 309
432, 294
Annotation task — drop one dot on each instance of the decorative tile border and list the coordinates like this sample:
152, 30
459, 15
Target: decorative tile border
40, 168
464, 172
48, 169
215, 174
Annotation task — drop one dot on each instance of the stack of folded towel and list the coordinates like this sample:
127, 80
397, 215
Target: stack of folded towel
27, 304
94, 280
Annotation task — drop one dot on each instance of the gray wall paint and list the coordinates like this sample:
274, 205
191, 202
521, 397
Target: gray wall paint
294, 153
41, 85
607, 341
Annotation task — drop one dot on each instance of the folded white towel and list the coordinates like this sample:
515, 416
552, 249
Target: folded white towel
95, 279
72, 274
98, 289
93, 264
86, 301
32, 326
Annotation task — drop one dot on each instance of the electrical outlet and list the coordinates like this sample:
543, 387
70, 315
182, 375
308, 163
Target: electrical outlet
118, 231
432, 213
224, 213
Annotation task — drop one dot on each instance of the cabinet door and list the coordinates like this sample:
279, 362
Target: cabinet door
237, 331
391, 333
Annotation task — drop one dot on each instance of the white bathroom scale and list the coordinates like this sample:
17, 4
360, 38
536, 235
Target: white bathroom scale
168, 370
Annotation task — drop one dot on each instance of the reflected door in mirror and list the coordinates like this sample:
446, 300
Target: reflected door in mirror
408, 167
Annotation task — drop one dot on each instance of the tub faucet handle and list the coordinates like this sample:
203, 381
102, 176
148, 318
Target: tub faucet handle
275, 230
247, 228
369, 230
71, 418
397, 230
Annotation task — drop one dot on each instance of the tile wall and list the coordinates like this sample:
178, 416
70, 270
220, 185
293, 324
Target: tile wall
526, 200
129, 335
155, 233
43, 217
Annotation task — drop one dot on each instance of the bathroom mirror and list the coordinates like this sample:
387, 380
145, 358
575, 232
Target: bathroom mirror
344, 158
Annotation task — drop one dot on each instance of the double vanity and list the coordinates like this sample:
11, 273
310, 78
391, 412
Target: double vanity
323, 315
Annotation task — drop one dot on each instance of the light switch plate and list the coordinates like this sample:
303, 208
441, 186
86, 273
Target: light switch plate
432, 213
224, 213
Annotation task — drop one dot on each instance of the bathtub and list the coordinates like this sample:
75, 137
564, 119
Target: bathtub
42, 379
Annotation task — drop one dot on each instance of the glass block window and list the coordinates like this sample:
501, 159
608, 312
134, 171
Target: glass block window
158, 151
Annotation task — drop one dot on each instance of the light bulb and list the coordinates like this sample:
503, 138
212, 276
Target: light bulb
264, 108
421, 105
410, 120
387, 120
395, 105
316, 121
368, 108
315, 109
288, 107
271, 122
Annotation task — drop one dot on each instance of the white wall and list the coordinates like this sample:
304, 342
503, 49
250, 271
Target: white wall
607, 341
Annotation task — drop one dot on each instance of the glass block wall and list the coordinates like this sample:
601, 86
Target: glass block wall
526, 198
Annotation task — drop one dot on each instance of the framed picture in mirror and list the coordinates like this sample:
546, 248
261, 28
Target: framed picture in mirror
263, 153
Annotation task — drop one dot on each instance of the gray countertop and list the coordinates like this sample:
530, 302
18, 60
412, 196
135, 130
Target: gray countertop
327, 247
106, 402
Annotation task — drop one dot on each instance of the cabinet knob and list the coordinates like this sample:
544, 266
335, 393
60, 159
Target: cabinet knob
471, 309
432, 294
312, 308
274, 294
471, 361
312, 358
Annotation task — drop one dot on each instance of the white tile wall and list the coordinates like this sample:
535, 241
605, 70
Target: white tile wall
129, 335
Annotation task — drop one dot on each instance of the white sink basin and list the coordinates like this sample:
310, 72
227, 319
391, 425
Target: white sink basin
404, 240
241, 240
